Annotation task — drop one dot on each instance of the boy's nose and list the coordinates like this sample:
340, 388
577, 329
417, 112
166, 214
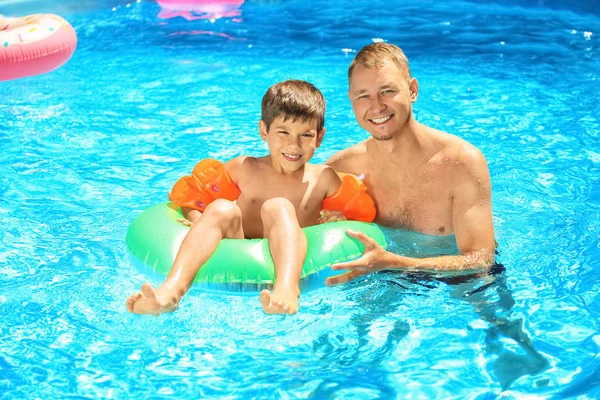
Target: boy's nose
294, 140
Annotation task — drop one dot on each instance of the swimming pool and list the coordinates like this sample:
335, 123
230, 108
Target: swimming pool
86, 148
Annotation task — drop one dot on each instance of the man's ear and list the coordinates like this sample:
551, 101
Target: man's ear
413, 86
262, 128
320, 137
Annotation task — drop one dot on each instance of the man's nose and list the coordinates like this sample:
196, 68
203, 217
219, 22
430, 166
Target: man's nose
377, 104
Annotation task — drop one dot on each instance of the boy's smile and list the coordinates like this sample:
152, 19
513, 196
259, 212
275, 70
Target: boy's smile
292, 157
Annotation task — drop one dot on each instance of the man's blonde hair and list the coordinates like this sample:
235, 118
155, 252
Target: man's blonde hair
375, 55
295, 100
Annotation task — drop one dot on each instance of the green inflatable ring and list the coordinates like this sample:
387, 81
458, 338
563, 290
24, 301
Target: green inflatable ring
154, 237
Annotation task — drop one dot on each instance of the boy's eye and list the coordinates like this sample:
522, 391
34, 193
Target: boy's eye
308, 135
283, 133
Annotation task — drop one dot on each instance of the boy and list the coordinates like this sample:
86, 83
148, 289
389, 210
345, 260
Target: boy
275, 196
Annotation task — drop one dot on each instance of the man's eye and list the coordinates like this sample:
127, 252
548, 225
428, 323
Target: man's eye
386, 91
362, 96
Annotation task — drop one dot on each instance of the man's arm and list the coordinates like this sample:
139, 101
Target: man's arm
472, 212
473, 227
471, 217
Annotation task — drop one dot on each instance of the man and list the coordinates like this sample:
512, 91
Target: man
431, 182
421, 179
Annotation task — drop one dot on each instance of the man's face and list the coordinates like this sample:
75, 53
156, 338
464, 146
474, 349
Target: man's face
382, 99
291, 143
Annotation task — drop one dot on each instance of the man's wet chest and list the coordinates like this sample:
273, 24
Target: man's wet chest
420, 202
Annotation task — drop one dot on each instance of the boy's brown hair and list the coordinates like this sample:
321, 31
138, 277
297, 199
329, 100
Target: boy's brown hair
376, 54
294, 99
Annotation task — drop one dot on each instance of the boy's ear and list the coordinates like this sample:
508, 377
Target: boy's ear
320, 137
262, 128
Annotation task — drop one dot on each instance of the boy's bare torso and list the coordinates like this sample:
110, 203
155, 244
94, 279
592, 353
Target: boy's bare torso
259, 181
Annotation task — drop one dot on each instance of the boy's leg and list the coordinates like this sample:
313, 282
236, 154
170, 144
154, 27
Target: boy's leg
221, 219
288, 246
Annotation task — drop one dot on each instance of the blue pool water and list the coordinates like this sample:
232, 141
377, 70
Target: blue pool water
85, 149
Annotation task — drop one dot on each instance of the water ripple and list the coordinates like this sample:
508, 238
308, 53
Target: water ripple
87, 147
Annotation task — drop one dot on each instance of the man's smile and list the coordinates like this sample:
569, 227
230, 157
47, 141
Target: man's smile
381, 120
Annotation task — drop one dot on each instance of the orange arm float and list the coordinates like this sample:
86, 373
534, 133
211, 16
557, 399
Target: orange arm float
351, 198
209, 182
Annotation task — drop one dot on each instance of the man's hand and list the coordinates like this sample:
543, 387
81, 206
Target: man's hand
374, 259
331, 216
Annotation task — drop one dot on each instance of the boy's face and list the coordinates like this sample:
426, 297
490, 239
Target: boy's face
291, 143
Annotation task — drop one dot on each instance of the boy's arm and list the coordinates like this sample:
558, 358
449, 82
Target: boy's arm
209, 181
191, 215
332, 182
234, 167
351, 198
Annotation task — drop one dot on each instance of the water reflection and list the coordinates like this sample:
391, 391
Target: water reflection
493, 301
509, 353
63, 7
193, 10
488, 294
354, 356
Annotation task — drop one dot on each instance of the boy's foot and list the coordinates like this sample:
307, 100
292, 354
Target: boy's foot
150, 301
281, 301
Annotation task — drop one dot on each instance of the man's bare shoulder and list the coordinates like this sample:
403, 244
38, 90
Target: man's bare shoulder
455, 149
466, 153
462, 157
348, 160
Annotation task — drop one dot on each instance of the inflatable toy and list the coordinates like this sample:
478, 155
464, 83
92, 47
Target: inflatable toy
209, 181
242, 265
34, 44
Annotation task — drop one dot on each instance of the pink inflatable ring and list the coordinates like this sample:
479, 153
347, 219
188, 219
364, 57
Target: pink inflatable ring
34, 45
